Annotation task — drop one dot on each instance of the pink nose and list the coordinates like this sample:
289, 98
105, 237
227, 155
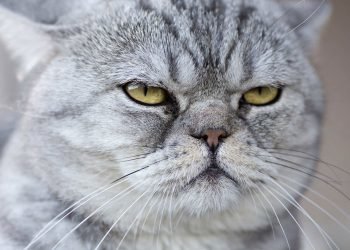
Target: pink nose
213, 137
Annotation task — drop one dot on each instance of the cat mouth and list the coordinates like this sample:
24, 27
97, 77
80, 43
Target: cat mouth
213, 174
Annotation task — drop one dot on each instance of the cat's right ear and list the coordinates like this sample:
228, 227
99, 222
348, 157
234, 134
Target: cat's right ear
31, 31
26, 41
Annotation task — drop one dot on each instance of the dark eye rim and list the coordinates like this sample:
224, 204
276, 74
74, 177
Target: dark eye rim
125, 86
274, 101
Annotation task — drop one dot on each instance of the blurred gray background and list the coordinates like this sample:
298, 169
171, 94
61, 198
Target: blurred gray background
334, 67
333, 63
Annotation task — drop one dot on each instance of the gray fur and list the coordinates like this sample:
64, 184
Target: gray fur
81, 125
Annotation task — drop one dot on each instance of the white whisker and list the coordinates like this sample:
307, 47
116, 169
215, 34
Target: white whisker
149, 212
119, 218
268, 217
52, 223
254, 202
342, 211
324, 234
119, 195
156, 218
143, 209
136, 218
278, 220
308, 18
161, 215
171, 209
319, 207
293, 218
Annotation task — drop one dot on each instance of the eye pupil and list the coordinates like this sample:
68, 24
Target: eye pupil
146, 95
261, 96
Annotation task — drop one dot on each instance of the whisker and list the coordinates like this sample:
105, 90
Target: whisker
324, 235
314, 176
139, 170
292, 216
161, 216
318, 206
309, 189
148, 213
170, 210
51, 224
143, 209
292, 201
254, 202
179, 219
151, 207
289, 10
109, 201
134, 157
299, 165
136, 218
89, 197
119, 195
119, 218
268, 217
278, 220
308, 18
295, 203
307, 157
140, 157
156, 218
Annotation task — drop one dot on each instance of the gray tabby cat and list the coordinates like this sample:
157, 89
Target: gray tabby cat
161, 124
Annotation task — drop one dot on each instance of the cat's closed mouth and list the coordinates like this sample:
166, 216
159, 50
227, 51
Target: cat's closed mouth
213, 174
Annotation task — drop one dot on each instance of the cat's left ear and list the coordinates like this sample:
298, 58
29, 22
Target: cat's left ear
307, 18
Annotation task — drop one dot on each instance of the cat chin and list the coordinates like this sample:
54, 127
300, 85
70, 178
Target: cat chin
208, 195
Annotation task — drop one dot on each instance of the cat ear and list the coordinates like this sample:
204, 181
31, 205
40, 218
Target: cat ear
26, 42
33, 30
307, 18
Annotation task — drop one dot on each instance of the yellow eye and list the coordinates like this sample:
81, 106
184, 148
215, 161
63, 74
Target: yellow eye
146, 95
261, 96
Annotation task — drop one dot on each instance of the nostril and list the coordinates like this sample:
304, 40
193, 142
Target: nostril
196, 136
213, 137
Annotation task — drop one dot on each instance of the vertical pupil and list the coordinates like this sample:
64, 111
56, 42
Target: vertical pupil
260, 90
145, 91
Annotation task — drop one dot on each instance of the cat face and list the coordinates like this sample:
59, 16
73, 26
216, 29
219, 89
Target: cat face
202, 146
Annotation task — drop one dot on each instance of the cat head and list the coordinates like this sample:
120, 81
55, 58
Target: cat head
197, 104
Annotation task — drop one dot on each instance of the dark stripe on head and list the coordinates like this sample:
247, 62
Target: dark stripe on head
248, 65
216, 7
173, 69
170, 24
176, 33
179, 4
228, 57
243, 18
145, 5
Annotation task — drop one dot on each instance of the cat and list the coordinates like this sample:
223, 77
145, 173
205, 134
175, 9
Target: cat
161, 124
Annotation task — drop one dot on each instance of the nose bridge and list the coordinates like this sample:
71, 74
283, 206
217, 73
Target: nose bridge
208, 115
